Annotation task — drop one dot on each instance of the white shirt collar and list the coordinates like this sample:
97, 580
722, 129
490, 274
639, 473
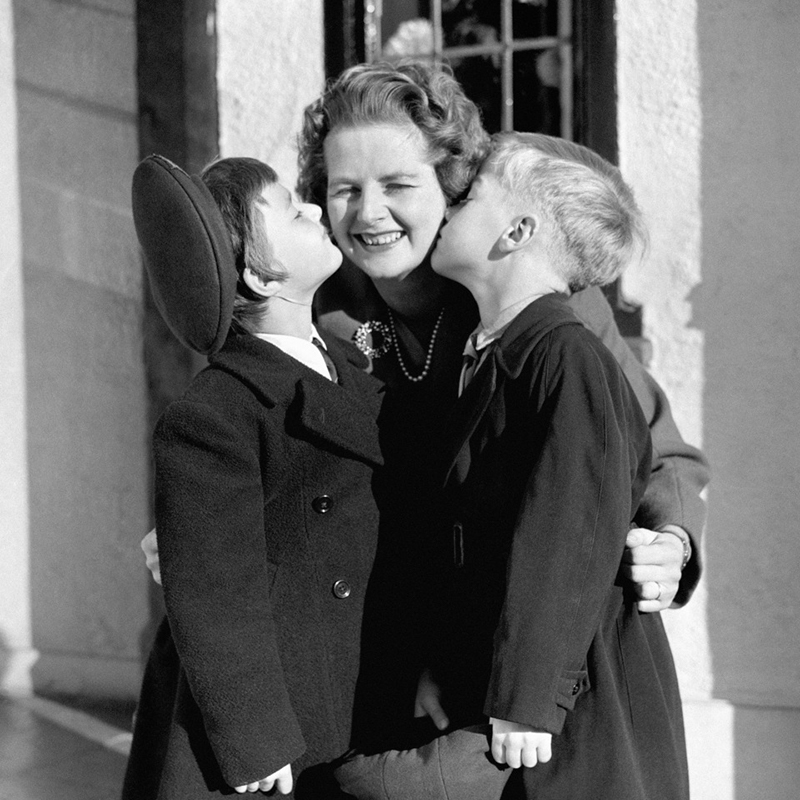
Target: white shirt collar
302, 350
482, 336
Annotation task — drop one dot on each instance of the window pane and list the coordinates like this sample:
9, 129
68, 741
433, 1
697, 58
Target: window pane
533, 18
465, 22
481, 78
537, 97
406, 30
463, 19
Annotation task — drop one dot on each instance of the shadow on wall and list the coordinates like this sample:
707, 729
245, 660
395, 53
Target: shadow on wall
5, 657
747, 308
170, 368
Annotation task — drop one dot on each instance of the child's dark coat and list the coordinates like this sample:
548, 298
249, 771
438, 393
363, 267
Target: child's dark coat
267, 530
549, 455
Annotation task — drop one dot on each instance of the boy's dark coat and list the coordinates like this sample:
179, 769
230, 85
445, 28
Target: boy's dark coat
548, 457
267, 531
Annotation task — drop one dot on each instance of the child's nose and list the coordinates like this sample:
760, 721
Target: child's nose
314, 211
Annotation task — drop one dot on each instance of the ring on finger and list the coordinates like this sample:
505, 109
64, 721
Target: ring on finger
660, 591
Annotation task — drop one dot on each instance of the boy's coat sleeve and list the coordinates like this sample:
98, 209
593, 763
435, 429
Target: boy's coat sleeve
210, 523
680, 471
569, 535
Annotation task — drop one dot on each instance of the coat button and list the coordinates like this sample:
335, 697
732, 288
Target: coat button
576, 688
341, 589
322, 504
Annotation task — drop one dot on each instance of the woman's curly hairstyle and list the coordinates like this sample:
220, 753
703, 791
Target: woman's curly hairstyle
408, 93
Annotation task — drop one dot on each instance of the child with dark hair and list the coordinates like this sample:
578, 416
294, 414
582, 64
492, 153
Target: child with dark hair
267, 526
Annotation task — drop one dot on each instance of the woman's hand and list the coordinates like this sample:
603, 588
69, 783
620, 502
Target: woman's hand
280, 780
652, 562
519, 745
428, 701
149, 547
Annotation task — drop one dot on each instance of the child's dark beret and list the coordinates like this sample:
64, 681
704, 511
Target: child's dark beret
187, 253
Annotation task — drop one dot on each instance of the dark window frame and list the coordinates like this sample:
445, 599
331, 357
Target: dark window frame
178, 119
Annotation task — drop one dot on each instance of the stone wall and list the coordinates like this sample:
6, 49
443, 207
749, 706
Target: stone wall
271, 65
86, 395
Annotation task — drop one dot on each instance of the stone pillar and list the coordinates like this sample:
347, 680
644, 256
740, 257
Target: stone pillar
16, 650
86, 393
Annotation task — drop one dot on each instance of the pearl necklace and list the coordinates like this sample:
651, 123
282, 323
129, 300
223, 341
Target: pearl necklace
428, 355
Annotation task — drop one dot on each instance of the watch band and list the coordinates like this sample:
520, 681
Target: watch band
685, 541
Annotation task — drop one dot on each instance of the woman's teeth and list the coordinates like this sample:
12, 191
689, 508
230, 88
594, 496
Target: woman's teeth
386, 238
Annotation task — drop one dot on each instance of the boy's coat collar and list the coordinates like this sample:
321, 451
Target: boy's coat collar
343, 416
505, 361
528, 328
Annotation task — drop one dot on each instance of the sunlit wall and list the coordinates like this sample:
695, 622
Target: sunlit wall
709, 109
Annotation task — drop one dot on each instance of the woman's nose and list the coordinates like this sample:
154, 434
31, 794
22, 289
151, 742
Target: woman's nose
370, 206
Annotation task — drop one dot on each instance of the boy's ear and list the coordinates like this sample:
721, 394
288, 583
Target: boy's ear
519, 234
257, 284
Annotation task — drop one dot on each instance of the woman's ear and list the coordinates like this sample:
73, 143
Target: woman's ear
258, 285
520, 233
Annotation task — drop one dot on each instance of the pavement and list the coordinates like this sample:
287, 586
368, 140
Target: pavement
62, 748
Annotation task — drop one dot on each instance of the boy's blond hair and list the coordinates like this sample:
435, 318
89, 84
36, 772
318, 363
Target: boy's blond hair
596, 226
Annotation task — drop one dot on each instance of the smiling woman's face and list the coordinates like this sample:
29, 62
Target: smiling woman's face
385, 204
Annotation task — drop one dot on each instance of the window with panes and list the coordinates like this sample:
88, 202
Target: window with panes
531, 65
535, 65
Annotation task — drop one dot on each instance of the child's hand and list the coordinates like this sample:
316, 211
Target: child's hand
281, 780
428, 703
149, 547
519, 745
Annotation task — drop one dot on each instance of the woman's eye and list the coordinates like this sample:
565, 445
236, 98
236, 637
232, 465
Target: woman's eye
395, 187
343, 192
